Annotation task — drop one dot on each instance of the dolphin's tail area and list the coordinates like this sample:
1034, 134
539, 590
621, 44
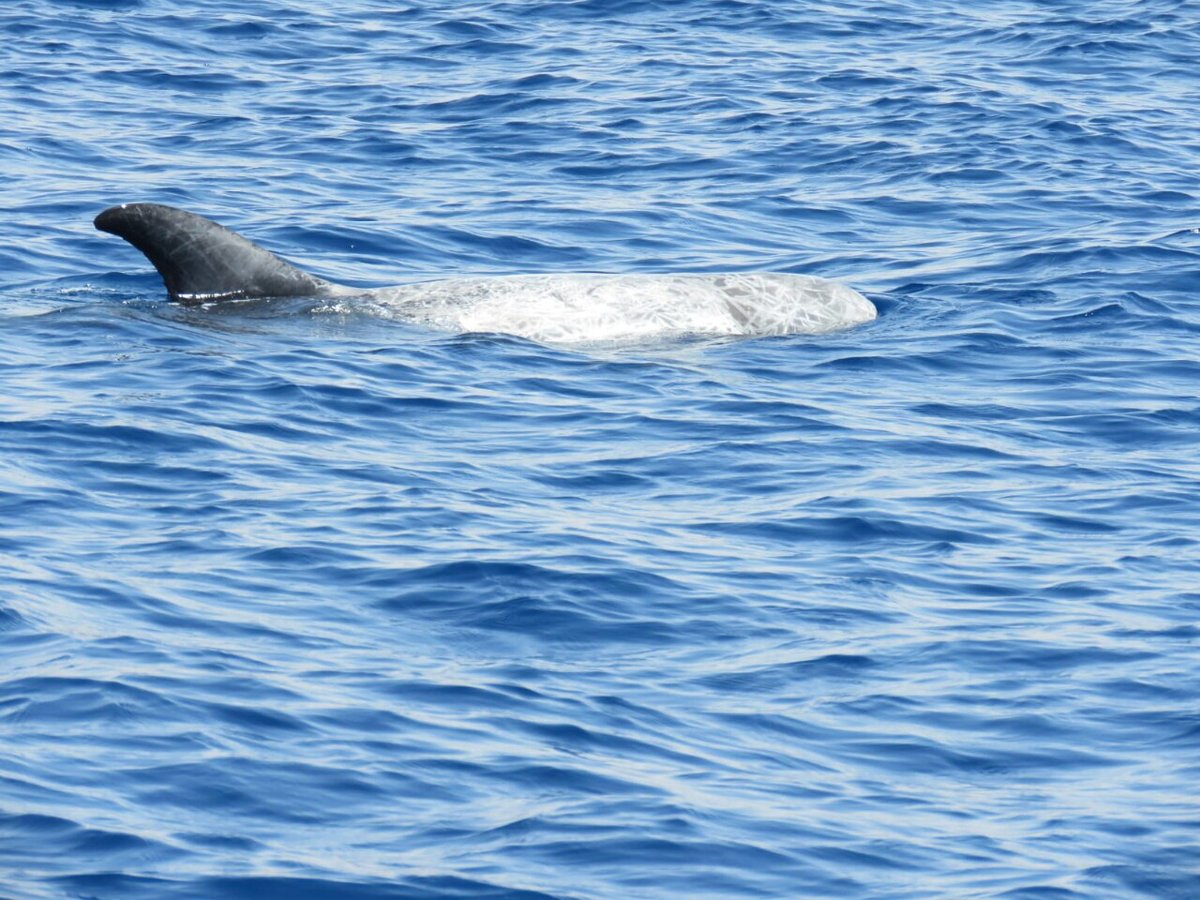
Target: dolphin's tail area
200, 260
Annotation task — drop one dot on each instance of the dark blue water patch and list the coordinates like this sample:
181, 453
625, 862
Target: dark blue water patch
848, 530
290, 887
535, 601
27, 836
833, 665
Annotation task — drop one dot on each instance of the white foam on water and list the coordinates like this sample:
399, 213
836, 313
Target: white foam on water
583, 308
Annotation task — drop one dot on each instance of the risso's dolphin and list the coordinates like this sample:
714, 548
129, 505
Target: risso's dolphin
201, 261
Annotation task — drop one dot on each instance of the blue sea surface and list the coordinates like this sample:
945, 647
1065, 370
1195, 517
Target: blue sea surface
304, 603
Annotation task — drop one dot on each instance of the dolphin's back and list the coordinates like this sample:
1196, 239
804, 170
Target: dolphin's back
200, 260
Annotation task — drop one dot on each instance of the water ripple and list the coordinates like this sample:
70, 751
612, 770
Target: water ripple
298, 601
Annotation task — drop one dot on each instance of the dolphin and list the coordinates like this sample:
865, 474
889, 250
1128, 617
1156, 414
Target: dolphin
201, 261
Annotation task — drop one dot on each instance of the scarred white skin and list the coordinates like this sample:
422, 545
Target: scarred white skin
580, 308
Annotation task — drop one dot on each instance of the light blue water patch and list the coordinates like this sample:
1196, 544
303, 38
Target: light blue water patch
312, 602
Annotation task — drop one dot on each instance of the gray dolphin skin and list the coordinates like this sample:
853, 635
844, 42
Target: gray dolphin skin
200, 260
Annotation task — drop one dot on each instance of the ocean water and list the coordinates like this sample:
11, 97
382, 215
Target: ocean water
305, 602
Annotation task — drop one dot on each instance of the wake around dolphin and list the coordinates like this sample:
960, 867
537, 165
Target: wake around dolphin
201, 261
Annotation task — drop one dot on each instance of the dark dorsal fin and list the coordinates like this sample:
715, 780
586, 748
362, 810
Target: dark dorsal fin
200, 260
